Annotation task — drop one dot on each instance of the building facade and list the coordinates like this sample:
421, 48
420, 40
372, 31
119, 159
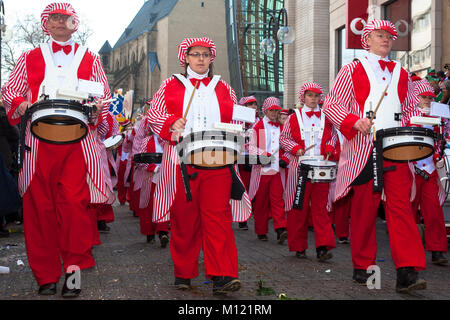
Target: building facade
253, 70
146, 53
319, 50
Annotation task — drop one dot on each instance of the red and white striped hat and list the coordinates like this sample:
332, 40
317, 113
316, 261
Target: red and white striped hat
271, 103
61, 8
284, 111
423, 88
245, 100
192, 42
310, 86
377, 25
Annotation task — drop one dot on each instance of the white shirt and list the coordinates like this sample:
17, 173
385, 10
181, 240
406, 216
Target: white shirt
272, 144
426, 164
383, 76
60, 58
312, 128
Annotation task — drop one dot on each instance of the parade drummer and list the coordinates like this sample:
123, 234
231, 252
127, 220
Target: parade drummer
266, 185
56, 191
358, 87
205, 222
307, 128
429, 192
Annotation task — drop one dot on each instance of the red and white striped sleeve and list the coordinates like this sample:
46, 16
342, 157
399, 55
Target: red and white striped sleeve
231, 90
157, 116
16, 89
338, 101
409, 106
287, 140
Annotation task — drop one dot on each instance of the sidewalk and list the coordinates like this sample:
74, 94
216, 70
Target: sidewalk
129, 268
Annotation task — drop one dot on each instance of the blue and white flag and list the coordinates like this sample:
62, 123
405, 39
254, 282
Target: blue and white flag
116, 107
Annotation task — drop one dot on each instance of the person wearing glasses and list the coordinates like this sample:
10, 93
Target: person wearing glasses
205, 222
58, 181
358, 87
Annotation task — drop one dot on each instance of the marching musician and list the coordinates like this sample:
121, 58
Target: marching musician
266, 186
121, 163
307, 128
429, 193
205, 222
358, 87
147, 175
57, 180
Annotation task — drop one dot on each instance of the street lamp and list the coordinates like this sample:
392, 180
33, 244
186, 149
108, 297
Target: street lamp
270, 46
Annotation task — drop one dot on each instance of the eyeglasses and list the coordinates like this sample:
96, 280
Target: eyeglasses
197, 55
58, 16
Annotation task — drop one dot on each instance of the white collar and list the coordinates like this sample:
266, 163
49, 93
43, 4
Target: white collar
375, 58
307, 109
192, 74
70, 41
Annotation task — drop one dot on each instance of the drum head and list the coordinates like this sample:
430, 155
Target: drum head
113, 142
318, 163
408, 153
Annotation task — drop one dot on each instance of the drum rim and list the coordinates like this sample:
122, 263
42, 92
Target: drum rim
409, 131
416, 144
112, 137
67, 104
147, 154
209, 132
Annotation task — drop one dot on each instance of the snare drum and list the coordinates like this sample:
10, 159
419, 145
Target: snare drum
148, 158
113, 142
403, 144
59, 121
210, 149
319, 170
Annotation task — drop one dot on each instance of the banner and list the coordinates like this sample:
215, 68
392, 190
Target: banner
398, 11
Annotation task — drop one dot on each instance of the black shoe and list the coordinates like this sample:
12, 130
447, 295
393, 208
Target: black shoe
47, 289
164, 239
70, 293
301, 254
182, 284
262, 237
360, 276
323, 254
102, 227
281, 235
343, 240
438, 258
408, 280
151, 238
243, 225
223, 285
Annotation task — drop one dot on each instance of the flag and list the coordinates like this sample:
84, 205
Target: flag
116, 107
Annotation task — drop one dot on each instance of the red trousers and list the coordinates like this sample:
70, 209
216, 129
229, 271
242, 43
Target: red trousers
406, 245
203, 223
145, 219
269, 203
315, 202
342, 217
121, 189
431, 211
56, 221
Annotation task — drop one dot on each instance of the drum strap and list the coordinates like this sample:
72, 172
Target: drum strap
377, 161
22, 146
185, 177
299, 196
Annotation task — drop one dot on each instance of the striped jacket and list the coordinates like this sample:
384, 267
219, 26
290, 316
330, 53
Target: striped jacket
167, 107
292, 141
23, 85
344, 105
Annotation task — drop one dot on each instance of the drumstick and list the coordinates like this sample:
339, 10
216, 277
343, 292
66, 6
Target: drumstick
190, 100
326, 160
310, 147
379, 103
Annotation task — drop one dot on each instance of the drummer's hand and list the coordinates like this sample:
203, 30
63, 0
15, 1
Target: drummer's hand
300, 152
363, 125
177, 127
23, 107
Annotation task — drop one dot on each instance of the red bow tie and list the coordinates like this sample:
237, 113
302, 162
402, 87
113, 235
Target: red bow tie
205, 81
311, 113
275, 124
57, 47
389, 64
